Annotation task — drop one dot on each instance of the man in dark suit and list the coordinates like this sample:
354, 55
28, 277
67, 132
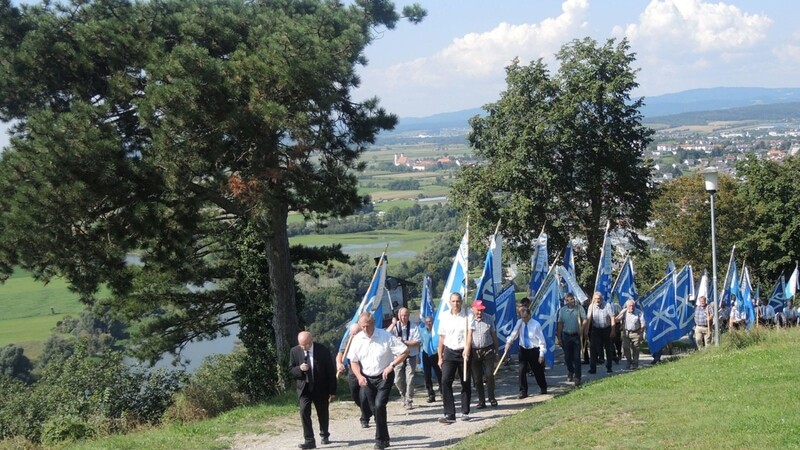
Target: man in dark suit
311, 365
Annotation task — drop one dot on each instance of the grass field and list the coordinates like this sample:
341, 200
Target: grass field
31, 309
719, 398
403, 245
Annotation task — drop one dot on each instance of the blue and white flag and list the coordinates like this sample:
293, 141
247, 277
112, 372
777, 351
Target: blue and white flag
539, 264
702, 291
373, 299
684, 310
747, 298
426, 309
571, 285
456, 282
776, 297
791, 285
625, 286
660, 314
603, 282
735, 291
730, 275
506, 317
546, 302
490, 283
569, 260
671, 267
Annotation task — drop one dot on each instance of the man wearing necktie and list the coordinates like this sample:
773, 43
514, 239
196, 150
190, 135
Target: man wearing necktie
532, 347
311, 365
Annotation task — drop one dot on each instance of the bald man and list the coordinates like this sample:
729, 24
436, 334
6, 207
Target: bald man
312, 367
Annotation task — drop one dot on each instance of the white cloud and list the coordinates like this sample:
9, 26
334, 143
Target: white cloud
697, 26
481, 56
470, 71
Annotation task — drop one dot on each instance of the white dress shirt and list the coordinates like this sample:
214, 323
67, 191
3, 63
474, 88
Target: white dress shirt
453, 329
375, 353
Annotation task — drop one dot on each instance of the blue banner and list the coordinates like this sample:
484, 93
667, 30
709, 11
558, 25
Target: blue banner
684, 290
603, 281
660, 314
625, 287
506, 317
539, 264
546, 303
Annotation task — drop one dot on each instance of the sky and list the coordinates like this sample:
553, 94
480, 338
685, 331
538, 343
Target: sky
456, 58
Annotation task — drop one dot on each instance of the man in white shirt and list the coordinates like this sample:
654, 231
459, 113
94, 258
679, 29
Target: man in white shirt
373, 356
402, 328
532, 348
601, 321
453, 353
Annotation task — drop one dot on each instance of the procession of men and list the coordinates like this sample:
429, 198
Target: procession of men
468, 355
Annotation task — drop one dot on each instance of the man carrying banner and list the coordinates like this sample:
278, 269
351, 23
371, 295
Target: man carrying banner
482, 335
453, 352
766, 313
600, 326
373, 356
343, 365
568, 329
532, 347
702, 324
430, 359
633, 327
404, 373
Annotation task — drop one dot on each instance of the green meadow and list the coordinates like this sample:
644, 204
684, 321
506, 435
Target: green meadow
30, 310
402, 245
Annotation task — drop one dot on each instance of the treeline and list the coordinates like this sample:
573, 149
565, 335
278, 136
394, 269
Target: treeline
433, 218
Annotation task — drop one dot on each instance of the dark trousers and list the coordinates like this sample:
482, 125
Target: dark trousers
601, 340
454, 364
529, 361
617, 340
481, 363
355, 394
430, 366
320, 402
376, 393
572, 353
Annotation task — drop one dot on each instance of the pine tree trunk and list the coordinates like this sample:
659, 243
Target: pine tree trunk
281, 278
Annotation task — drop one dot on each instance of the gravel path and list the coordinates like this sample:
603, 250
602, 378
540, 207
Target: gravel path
419, 428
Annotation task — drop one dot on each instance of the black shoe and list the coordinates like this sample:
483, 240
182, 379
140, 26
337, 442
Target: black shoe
364, 424
543, 392
379, 445
480, 406
326, 441
577, 382
584, 362
522, 395
592, 371
608, 370
305, 445
493, 403
431, 399
447, 420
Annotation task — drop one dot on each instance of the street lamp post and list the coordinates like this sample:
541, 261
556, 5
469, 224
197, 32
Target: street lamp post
710, 176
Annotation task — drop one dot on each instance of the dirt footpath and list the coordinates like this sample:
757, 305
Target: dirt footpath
419, 428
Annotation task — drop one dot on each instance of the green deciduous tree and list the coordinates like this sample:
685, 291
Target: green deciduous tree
682, 220
563, 150
771, 193
171, 127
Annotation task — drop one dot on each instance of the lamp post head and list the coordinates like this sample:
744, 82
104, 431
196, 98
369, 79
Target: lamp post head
711, 176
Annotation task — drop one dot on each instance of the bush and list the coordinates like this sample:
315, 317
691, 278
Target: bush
214, 389
65, 428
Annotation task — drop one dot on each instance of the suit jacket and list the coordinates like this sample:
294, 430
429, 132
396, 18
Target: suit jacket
324, 376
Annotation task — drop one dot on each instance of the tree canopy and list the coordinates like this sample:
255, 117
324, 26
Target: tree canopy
562, 150
181, 130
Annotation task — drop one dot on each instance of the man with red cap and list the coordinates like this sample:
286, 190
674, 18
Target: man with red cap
483, 354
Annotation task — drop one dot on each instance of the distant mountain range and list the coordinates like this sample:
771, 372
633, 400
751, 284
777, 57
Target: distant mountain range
681, 108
